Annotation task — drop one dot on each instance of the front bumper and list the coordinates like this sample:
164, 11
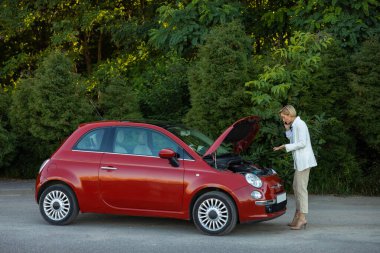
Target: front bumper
251, 210
276, 207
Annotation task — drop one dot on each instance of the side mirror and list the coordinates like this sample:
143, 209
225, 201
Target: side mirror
169, 154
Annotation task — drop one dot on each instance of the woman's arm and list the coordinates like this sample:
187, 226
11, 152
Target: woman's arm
300, 138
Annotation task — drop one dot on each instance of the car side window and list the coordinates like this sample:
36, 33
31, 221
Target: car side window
131, 140
122, 141
91, 141
160, 141
142, 141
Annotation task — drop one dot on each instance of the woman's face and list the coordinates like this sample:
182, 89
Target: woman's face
286, 118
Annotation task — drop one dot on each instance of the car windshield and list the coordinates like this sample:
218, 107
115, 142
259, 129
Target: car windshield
196, 140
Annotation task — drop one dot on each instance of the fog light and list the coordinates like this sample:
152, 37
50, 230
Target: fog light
256, 195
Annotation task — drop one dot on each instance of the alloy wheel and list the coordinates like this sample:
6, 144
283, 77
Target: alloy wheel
56, 205
213, 214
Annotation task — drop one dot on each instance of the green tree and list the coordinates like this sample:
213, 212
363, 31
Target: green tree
58, 103
350, 21
362, 110
7, 141
216, 81
163, 88
27, 159
285, 77
116, 95
287, 74
268, 22
46, 108
183, 27
90, 31
336, 143
364, 102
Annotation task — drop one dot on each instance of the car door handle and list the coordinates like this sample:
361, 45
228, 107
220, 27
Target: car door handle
108, 168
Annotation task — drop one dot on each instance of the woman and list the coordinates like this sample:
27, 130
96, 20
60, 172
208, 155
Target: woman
303, 156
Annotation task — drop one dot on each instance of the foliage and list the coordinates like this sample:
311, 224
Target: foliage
183, 27
268, 23
163, 88
49, 106
362, 111
285, 77
288, 74
7, 146
338, 169
364, 102
115, 94
7, 142
188, 60
90, 31
336, 149
350, 21
216, 82
58, 103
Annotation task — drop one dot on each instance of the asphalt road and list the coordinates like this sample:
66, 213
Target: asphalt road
336, 224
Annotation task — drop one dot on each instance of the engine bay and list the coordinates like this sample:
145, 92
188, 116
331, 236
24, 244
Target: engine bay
236, 164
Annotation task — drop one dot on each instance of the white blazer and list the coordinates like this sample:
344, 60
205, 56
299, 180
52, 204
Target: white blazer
300, 145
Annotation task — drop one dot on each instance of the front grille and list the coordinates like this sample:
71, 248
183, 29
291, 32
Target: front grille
276, 207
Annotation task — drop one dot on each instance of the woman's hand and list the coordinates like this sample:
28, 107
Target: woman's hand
278, 148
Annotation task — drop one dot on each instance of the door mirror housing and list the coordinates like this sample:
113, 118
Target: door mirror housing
169, 154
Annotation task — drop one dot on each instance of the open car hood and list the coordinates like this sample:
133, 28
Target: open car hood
240, 134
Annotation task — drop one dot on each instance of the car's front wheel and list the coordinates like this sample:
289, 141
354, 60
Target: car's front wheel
58, 205
214, 213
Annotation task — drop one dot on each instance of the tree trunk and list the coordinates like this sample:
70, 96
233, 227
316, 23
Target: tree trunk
142, 9
100, 42
87, 55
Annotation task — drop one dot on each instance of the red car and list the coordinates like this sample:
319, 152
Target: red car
160, 170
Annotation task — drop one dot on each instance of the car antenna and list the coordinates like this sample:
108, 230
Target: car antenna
213, 155
96, 109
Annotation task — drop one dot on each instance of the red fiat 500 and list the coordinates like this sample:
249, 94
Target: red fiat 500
160, 170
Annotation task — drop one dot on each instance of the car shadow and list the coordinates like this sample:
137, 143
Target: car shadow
167, 224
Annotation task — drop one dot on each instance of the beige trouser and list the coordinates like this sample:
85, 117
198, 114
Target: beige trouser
300, 181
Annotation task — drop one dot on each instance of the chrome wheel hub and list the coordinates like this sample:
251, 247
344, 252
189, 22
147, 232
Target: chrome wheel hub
56, 205
213, 214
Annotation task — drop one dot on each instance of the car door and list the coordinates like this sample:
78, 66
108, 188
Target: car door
133, 176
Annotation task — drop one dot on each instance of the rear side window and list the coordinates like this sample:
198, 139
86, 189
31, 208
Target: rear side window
91, 141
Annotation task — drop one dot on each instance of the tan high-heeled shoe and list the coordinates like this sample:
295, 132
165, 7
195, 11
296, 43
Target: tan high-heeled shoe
294, 221
300, 224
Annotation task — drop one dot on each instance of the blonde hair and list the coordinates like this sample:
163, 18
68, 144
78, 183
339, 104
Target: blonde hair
288, 110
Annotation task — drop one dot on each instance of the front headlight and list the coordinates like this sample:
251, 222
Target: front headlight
253, 180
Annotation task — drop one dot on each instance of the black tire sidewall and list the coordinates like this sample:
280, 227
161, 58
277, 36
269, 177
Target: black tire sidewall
232, 214
73, 212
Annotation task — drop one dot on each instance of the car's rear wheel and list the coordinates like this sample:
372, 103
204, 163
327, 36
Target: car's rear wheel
214, 213
58, 205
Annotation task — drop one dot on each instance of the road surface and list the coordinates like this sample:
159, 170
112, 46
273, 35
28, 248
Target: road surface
335, 224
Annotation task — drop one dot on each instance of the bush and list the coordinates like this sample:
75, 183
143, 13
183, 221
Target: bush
216, 82
163, 88
115, 94
364, 100
7, 140
46, 109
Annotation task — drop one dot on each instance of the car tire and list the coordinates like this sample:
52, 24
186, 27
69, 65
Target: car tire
58, 205
214, 213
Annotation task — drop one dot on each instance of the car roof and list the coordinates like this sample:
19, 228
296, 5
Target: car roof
159, 123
